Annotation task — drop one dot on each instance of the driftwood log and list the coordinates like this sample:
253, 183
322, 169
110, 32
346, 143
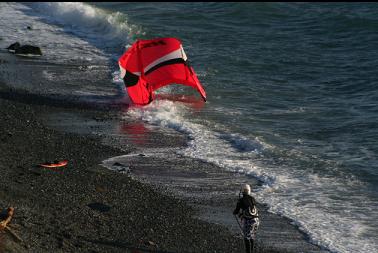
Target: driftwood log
4, 223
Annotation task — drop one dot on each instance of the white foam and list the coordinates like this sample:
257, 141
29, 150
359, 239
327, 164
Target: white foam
55, 43
330, 209
117, 80
89, 21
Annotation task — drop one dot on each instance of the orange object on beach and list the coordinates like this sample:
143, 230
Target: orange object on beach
54, 164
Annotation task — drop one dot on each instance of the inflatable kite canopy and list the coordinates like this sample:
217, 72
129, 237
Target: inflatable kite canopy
151, 64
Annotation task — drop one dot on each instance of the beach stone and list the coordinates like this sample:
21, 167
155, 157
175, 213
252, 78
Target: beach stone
28, 49
25, 49
12, 48
122, 168
100, 189
66, 234
99, 207
3, 214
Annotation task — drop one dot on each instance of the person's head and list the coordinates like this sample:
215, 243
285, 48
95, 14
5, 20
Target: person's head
246, 189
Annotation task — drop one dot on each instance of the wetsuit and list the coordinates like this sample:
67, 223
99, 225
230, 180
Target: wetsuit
250, 220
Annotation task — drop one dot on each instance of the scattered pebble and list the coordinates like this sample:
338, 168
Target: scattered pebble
99, 207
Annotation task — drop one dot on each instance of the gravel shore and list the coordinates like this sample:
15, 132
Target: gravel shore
83, 207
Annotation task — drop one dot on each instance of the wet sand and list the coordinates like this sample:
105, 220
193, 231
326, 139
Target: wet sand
85, 207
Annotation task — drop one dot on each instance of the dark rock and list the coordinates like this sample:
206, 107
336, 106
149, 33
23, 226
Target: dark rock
118, 164
122, 168
3, 214
25, 49
28, 49
97, 119
99, 207
12, 48
100, 189
67, 234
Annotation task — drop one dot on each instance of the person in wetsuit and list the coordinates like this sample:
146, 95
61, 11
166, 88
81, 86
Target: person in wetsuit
247, 212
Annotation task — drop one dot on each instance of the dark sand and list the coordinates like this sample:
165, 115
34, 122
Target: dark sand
52, 208
85, 207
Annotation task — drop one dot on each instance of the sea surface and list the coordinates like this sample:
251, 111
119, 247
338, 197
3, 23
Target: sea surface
292, 95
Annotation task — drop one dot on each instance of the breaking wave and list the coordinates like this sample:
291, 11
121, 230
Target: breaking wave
104, 28
309, 199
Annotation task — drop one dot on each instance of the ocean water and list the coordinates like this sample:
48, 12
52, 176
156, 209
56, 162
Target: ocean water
292, 95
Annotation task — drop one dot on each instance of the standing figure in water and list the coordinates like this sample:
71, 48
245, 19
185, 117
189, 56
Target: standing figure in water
247, 212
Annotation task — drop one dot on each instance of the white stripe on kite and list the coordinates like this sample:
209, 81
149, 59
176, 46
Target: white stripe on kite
179, 53
173, 55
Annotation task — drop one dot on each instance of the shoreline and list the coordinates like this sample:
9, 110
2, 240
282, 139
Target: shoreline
85, 207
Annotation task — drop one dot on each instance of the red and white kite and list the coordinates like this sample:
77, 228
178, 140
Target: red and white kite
151, 64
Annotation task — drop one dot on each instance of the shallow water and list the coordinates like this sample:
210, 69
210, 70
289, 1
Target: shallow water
292, 99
